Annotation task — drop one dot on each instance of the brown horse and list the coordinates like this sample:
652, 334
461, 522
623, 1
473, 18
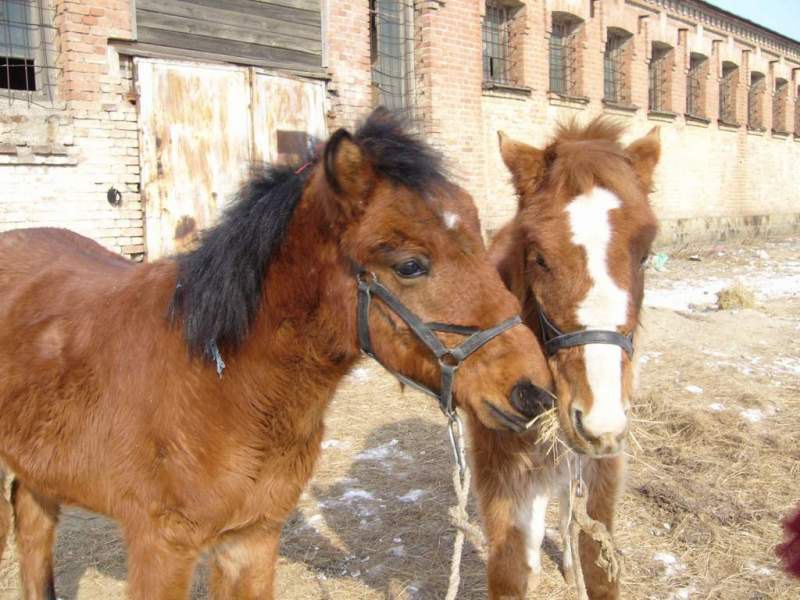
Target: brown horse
574, 257
185, 398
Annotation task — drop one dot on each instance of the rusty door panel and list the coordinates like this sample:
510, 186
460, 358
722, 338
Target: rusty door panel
286, 113
195, 132
201, 127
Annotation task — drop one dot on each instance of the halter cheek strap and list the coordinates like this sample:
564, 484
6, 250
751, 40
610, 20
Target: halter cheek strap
450, 359
554, 339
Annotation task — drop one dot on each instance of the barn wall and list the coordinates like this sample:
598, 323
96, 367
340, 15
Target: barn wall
280, 34
713, 181
60, 156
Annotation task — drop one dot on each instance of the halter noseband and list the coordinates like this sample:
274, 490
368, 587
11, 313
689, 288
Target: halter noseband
450, 359
554, 339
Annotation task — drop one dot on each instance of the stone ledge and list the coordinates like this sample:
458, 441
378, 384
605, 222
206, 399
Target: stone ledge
506, 90
615, 108
696, 121
725, 126
567, 101
664, 116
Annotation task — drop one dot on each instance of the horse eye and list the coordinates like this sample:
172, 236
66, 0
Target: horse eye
410, 269
539, 260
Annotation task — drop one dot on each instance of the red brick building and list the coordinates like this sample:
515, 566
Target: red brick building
132, 121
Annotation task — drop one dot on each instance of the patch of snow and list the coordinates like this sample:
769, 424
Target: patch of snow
669, 564
337, 444
683, 593
754, 415
758, 569
382, 452
398, 551
716, 407
412, 496
359, 374
694, 389
315, 521
356, 494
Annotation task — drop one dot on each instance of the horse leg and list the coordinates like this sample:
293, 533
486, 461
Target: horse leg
35, 521
604, 483
158, 569
512, 511
243, 563
5, 514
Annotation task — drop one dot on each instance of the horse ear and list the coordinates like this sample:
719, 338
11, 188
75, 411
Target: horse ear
345, 167
644, 154
526, 163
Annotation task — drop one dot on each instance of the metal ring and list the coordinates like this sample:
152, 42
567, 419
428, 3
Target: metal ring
360, 278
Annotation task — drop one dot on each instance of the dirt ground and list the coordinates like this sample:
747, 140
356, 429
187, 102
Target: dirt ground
714, 466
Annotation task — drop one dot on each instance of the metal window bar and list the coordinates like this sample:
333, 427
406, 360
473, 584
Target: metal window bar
613, 68
658, 87
27, 42
727, 94
392, 50
754, 97
563, 57
496, 44
779, 105
694, 86
797, 113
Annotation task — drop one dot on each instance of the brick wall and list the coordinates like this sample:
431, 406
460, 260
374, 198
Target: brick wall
713, 180
59, 159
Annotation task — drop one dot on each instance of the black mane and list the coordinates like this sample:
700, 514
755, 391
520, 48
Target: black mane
219, 285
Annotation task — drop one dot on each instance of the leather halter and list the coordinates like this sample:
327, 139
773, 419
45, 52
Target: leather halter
554, 339
450, 359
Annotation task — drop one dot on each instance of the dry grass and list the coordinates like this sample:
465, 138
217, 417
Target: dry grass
709, 488
735, 297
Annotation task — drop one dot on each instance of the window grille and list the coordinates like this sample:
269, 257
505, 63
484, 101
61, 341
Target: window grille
779, 105
27, 40
658, 89
727, 93
695, 98
392, 54
496, 44
797, 113
564, 56
614, 76
754, 101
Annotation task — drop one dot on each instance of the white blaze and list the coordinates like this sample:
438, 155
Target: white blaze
451, 219
604, 307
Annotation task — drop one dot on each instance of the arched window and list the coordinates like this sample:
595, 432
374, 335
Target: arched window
696, 85
565, 67
660, 72
755, 101
616, 66
779, 101
728, 88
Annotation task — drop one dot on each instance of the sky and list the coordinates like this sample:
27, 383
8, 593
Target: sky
782, 16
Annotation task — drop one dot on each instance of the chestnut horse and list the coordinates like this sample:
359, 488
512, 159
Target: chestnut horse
574, 256
185, 398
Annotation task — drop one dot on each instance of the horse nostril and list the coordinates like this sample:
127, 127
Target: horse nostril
530, 400
577, 419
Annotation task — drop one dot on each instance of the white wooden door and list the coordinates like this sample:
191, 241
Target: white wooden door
202, 127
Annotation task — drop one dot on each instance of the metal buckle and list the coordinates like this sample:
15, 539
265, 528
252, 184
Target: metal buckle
362, 282
455, 431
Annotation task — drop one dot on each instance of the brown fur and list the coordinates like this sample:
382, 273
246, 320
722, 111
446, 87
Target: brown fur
538, 263
102, 405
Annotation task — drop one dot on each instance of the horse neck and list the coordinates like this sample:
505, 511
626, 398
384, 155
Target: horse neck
305, 332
